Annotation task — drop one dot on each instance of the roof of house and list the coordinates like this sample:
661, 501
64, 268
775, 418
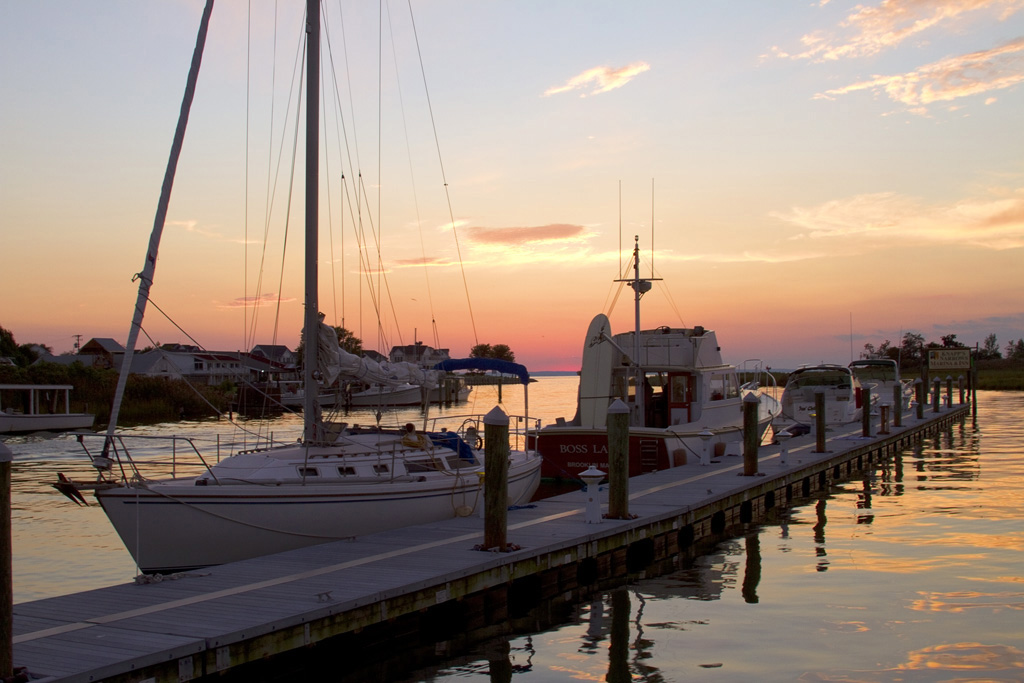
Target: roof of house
105, 343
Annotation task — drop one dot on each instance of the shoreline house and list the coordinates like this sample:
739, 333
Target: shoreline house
267, 363
419, 354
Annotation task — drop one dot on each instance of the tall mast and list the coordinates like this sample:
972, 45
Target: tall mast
145, 276
312, 319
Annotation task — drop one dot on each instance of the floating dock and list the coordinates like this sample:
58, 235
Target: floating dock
375, 592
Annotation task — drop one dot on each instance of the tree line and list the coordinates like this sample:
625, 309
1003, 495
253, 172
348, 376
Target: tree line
913, 351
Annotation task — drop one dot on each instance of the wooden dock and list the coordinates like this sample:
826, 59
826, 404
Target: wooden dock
374, 591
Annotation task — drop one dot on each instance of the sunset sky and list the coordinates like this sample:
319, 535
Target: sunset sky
819, 175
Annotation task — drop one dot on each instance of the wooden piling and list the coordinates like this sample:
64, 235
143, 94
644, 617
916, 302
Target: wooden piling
618, 460
949, 391
919, 388
819, 422
936, 387
751, 434
496, 479
865, 413
6, 568
897, 405
883, 427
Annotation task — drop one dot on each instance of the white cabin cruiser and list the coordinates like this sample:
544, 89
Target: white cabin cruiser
690, 400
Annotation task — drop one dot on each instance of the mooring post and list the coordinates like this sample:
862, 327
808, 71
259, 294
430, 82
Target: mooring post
883, 427
949, 391
960, 385
495, 479
819, 422
592, 478
919, 394
6, 569
705, 440
865, 412
936, 388
618, 460
751, 436
897, 402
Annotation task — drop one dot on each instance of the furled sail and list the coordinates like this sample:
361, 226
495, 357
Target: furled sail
334, 361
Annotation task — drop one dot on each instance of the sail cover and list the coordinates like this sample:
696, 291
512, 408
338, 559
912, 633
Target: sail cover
503, 366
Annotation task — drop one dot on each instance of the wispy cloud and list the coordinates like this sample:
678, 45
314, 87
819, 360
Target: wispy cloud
869, 30
947, 79
426, 261
872, 221
192, 226
256, 301
602, 78
555, 232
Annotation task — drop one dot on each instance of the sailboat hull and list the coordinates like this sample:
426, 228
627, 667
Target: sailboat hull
175, 525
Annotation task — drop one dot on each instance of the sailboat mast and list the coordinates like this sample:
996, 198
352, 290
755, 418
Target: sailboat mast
145, 277
312, 318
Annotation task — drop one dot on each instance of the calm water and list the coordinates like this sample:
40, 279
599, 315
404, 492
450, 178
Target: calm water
915, 573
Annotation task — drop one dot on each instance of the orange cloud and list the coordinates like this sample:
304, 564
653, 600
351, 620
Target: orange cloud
256, 301
519, 236
605, 78
870, 30
873, 221
948, 79
430, 261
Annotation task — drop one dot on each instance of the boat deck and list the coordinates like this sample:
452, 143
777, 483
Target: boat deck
216, 619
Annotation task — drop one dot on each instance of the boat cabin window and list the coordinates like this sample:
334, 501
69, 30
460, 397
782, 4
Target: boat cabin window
308, 472
723, 386
347, 471
380, 469
681, 389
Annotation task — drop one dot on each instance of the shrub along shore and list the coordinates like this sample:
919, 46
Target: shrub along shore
147, 400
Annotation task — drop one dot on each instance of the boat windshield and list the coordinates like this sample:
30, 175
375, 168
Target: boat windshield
829, 378
884, 373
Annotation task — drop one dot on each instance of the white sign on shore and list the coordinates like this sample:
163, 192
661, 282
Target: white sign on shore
949, 359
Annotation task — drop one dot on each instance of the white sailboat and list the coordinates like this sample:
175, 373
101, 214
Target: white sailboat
334, 483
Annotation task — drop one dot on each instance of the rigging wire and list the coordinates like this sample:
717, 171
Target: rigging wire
444, 179
415, 198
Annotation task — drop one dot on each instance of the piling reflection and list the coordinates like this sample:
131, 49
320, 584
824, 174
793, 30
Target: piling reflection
752, 575
819, 536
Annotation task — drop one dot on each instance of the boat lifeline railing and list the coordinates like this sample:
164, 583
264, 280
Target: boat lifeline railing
757, 372
145, 456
